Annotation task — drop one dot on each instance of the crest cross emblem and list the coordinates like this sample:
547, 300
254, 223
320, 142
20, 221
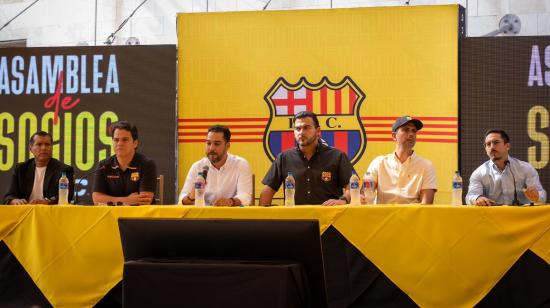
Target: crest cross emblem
337, 107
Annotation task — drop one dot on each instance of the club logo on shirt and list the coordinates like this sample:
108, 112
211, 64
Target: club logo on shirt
336, 105
326, 176
134, 176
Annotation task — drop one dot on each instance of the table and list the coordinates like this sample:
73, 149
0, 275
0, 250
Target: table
434, 255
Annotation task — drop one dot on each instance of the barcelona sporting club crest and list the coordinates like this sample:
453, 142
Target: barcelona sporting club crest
337, 106
326, 176
134, 176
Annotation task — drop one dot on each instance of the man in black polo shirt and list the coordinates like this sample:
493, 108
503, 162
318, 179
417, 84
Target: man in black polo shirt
321, 172
128, 177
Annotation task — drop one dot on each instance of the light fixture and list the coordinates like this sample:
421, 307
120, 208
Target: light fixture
509, 25
132, 40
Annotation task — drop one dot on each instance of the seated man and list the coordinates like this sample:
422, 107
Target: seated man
503, 179
229, 178
36, 180
321, 172
128, 177
403, 176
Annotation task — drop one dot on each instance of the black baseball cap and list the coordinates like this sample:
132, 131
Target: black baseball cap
404, 121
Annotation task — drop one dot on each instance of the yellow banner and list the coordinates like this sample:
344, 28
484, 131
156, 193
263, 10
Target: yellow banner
359, 69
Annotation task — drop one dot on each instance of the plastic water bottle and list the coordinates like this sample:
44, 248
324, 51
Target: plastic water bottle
199, 190
355, 189
368, 188
457, 189
290, 189
63, 189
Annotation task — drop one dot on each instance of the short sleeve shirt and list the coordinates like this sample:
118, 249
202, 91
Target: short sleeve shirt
141, 175
401, 183
321, 178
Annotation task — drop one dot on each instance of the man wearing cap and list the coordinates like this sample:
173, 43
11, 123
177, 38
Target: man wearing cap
402, 176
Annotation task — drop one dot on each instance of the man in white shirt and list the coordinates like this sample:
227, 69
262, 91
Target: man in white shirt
35, 181
228, 179
403, 176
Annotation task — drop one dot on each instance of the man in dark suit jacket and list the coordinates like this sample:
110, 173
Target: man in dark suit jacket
36, 180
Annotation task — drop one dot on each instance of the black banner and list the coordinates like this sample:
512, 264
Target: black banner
75, 93
505, 83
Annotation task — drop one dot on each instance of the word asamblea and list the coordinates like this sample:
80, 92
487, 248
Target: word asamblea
39, 74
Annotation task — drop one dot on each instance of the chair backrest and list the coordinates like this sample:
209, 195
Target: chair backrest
159, 195
276, 240
253, 200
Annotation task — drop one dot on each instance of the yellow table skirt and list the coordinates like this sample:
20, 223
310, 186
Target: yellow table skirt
438, 255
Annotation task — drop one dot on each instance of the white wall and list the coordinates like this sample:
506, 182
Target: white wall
71, 22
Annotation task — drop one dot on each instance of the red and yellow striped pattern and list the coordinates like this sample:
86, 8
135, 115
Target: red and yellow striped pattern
378, 129
242, 129
329, 101
436, 129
